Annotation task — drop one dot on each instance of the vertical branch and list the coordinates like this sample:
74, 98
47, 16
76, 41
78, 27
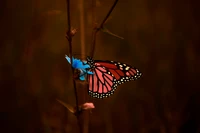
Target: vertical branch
97, 29
84, 116
69, 36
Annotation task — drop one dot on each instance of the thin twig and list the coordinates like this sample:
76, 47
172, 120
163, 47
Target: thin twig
97, 29
69, 37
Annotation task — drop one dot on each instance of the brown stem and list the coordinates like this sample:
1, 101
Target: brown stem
69, 37
96, 29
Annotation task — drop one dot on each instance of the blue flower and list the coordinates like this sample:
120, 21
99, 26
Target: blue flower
81, 66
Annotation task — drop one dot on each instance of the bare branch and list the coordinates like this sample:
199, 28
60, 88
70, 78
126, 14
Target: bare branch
96, 29
70, 33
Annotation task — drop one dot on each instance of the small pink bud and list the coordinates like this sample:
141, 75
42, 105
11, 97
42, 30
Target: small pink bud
88, 106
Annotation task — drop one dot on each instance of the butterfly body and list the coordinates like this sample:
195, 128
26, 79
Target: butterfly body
107, 75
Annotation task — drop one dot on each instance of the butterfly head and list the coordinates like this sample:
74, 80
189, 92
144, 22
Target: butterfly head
90, 62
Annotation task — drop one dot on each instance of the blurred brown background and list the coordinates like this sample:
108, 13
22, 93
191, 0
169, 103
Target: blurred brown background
161, 38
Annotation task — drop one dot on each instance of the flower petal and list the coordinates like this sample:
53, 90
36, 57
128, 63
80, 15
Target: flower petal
82, 77
81, 65
84, 62
89, 72
76, 62
68, 59
73, 60
87, 106
85, 66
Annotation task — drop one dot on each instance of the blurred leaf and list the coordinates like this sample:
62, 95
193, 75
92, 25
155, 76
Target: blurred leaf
104, 29
69, 107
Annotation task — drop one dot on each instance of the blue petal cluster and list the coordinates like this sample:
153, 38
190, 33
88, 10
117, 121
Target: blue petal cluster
82, 66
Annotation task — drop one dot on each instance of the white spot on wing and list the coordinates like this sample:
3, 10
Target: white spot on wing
127, 68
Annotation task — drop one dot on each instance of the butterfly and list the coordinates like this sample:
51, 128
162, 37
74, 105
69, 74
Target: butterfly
107, 76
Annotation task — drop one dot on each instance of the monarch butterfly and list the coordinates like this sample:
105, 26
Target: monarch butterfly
108, 75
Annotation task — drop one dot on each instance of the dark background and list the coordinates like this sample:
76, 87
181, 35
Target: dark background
161, 38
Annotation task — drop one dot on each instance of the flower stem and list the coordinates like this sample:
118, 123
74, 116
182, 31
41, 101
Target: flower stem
69, 37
